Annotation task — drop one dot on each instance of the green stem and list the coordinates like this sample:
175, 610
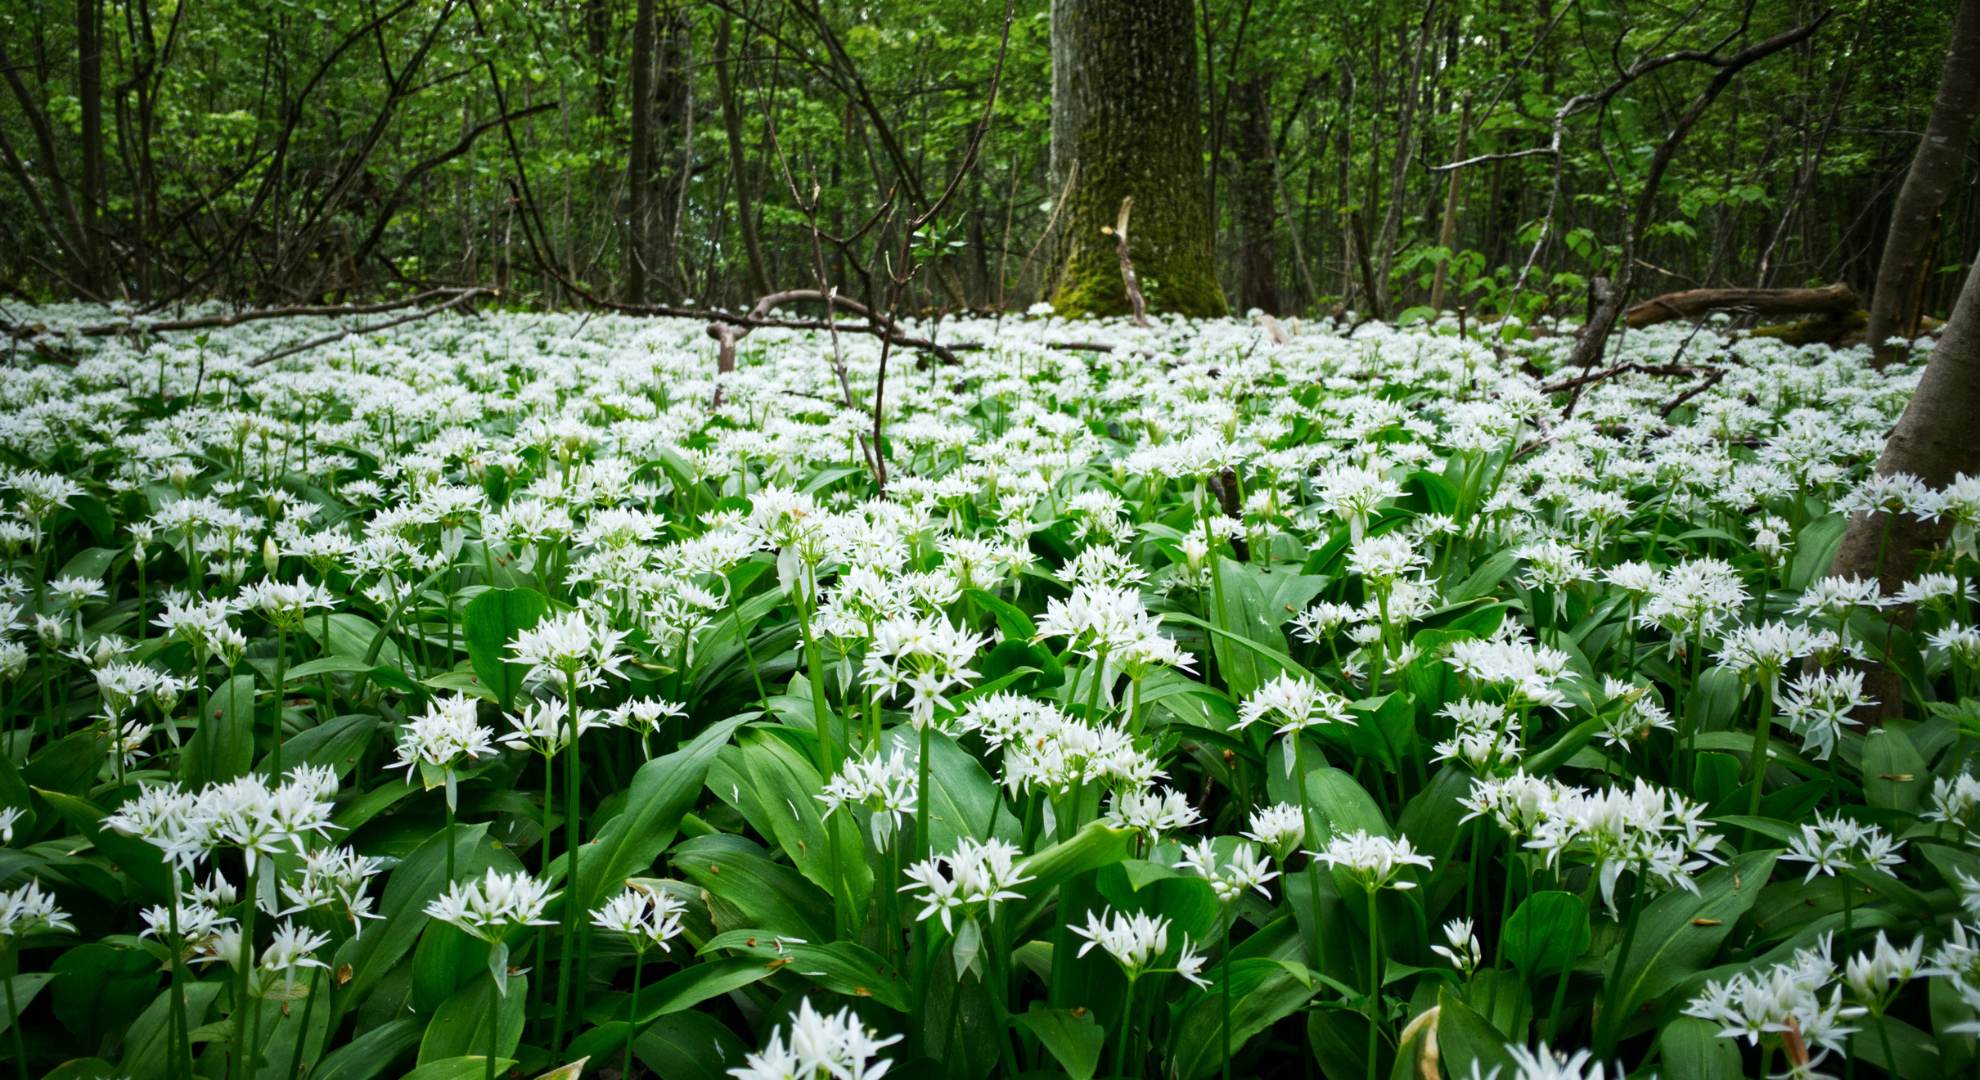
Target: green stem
1127, 1030
302, 1035
1374, 983
571, 878
181, 1034
281, 675
14, 1014
1757, 768
1610, 1027
495, 1029
632, 1011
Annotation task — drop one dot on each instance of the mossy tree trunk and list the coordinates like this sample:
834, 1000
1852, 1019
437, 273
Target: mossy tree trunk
1126, 121
1251, 194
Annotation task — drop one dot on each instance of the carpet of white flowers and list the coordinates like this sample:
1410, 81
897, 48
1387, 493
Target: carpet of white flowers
502, 696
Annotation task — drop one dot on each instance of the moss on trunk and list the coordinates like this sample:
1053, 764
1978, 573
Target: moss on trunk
1128, 114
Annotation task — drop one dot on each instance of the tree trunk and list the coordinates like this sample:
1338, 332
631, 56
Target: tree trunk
639, 161
1399, 173
1251, 191
1131, 124
1935, 168
1933, 441
89, 89
1447, 234
725, 87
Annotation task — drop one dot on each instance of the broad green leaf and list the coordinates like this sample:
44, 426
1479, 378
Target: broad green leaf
222, 743
412, 885
1466, 1040
1263, 992
491, 621
843, 967
477, 1011
371, 1054
1073, 1039
662, 790
1690, 1047
1680, 932
1547, 933
467, 1067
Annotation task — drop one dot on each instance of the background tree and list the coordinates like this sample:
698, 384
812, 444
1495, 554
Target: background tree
1935, 168
1128, 117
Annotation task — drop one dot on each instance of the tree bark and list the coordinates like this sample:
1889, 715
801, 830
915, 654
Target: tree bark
1131, 121
1447, 233
725, 86
1399, 172
639, 160
1935, 169
1933, 440
1252, 196
89, 89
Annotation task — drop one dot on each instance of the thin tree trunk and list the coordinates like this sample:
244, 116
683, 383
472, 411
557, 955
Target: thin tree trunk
639, 161
1399, 172
725, 85
1935, 168
89, 89
1447, 235
1251, 192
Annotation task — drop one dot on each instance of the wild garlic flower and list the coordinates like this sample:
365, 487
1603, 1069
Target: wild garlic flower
1771, 1001
334, 880
30, 910
1759, 653
569, 648
1384, 559
1460, 947
1485, 735
1834, 844
979, 873
441, 737
1955, 800
290, 949
286, 604
1374, 862
1818, 706
1694, 598
1280, 827
1136, 941
1646, 830
492, 907
1516, 803
1151, 811
1295, 704
928, 656
1246, 868
1633, 712
1528, 674
647, 917
1875, 976
1323, 620
1545, 1064
839, 1045
543, 727
885, 786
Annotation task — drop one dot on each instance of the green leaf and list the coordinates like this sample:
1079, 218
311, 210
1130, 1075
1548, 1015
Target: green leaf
1464, 1037
372, 1053
661, 792
463, 1023
468, 1067
24, 986
689, 1046
491, 621
748, 889
411, 886
1815, 548
1894, 773
1073, 1040
1691, 1047
141, 863
1091, 848
1680, 932
677, 993
777, 789
1548, 933
844, 967
1263, 992
222, 744
962, 799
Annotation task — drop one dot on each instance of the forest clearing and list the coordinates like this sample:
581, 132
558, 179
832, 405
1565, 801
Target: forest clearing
1185, 538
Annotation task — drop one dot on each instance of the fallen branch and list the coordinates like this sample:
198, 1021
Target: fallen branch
1708, 382
212, 322
1129, 280
1673, 371
461, 297
1837, 299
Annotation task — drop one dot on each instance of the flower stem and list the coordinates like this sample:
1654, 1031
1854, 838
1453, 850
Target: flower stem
1127, 1030
1374, 983
632, 1010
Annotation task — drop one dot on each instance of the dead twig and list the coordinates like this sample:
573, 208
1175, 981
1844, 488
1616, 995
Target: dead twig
461, 298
